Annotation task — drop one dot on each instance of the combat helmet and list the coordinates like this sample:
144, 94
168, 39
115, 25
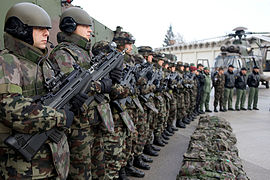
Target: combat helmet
22, 17
145, 50
123, 38
72, 17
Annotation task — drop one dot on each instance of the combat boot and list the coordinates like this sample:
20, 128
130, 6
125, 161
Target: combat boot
222, 109
149, 150
139, 163
174, 128
155, 148
158, 141
122, 174
167, 133
180, 124
165, 137
215, 109
169, 129
132, 171
186, 120
146, 158
164, 141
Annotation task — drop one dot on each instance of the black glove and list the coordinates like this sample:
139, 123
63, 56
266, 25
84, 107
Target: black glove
70, 117
78, 100
149, 75
106, 85
116, 75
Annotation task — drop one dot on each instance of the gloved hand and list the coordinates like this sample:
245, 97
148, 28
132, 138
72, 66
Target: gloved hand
116, 75
78, 100
149, 75
69, 116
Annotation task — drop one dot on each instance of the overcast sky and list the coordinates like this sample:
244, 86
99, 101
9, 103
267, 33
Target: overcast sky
149, 20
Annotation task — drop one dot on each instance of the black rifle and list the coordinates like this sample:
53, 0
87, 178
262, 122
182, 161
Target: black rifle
67, 87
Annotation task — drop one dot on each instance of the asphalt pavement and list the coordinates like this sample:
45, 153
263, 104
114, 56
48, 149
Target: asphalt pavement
252, 129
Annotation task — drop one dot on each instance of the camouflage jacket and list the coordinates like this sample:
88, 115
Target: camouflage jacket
219, 81
74, 49
19, 112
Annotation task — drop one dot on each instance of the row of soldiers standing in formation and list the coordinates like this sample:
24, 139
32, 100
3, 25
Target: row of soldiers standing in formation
225, 83
103, 140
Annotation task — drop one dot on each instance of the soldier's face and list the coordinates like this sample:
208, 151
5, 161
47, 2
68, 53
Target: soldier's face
84, 31
150, 58
231, 69
182, 68
173, 69
160, 62
206, 71
244, 72
129, 48
221, 72
256, 70
40, 37
166, 66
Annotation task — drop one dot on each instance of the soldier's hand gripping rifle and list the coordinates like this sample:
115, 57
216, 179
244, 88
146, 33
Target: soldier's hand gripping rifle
61, 90
129, 81
150, 80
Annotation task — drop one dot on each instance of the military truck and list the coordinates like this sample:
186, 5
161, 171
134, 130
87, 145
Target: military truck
54, 9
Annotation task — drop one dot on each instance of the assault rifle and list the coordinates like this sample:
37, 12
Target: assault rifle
61, 90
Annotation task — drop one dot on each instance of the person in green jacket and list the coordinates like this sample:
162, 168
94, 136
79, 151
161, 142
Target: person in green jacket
206, 91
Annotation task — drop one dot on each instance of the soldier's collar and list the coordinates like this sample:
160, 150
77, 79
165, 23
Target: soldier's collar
21, 48
75, 39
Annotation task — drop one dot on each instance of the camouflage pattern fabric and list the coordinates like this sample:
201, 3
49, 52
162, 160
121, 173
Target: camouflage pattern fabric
212, 153
113, 147
173, 109
74, 49
161, 116
218, 83
19, 112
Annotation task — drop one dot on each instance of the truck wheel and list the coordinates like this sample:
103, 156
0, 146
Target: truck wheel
267, 84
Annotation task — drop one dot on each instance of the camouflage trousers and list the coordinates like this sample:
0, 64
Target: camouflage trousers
181, 106
193, 100
161, 116
142, 127
168, 99
80, 143
131, 137
173, 110
98, 161
187, 101
219, 97
151, 122
113, 147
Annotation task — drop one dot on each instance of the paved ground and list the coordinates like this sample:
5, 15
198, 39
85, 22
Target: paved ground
252, 129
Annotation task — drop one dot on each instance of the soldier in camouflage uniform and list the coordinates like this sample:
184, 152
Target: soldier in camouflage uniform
149, 107
125, 40
180, 96
168, 98
173, 102
87, 128
25, 39
218, 83
160, 104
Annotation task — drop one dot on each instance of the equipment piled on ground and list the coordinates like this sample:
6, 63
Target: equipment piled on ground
212, 153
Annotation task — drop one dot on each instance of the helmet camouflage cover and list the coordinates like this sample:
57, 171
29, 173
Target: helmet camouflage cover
145, 50
123, 38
